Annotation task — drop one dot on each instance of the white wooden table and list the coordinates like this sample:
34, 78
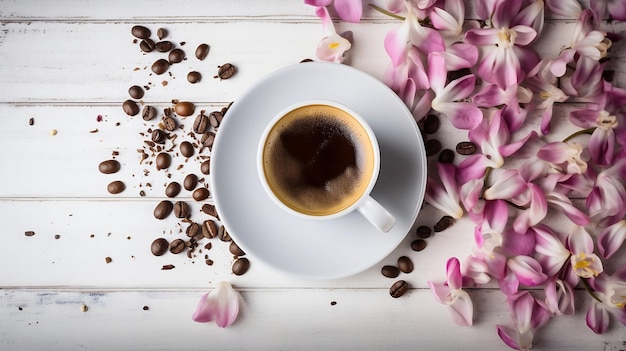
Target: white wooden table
68, 65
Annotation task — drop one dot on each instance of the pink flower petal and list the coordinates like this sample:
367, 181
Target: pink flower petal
482, 36
463, 115
564, 8
318, 3
508, 336
221, 305
462, 309
440, 291
525, 35
550, 251
396, 43
453, 273
560, 297
349, 10
580, 242
597, 318
617, 9
473, 167
602, 146
205, 312
612, 238
437, 72
527, 270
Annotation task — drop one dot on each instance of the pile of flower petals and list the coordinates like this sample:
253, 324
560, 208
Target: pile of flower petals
485, 76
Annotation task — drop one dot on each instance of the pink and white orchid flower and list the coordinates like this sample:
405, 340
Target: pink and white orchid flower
331, 48
347, 10
585, 263
220, 305
451, 294
528, 315
445, 195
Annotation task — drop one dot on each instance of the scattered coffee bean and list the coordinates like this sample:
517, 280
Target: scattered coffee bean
140, 32
405, 264
148, 113
159, 246
147, 45
116, 187
225, 71
186, 149
160, 66
31, 121
164, 46
181, 209
176, 56
431, 124
418, 245
177, 246
444, 223
205, 167
109, 166
172, 189
163, 160
161, 33
423, 232
215, 118
190, 182
145, 308
240, 266
163, 209
210, 210
167, 267
136, 92
223, 235
29, 233
108, 259
465, 148
433, 146
398, 288
57, 236
169, 123
201, 194
208, 139
446, 156
201, 124
130, 107
202, 51
193, 229
235, 249
194, 77
209, 229
390, 271
158, 136
184, 108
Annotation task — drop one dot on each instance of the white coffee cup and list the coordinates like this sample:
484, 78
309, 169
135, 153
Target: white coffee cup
319, 160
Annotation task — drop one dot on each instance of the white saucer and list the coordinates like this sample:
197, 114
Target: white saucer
316, 249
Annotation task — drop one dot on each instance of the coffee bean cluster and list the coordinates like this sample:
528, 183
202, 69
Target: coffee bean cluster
171, 145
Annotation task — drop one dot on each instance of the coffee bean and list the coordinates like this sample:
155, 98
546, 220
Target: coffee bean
167, 267
202, 51
140, 32
29, 233
423, 232
190, 182
186, 149
172, 189
176, 56
223, 235
135, 91
116, 187
163, 160
431, 124
31, 121
161, 33
159, 246
405, 264
465, 148
201, 124
163, 209
446, 156
169, 123
215, 118
390, 271
130, 107
205, 167
194, 77
193, 229
418, 245
240, 266
200, 194
109, 166
433, 146
160, 66
210, 210
147, 45
158, 136
177, 246
181, 209
208, 139
164, 46
444, 223
235, 249
398, 288
209, 229
226, 71
184, 108
148, 113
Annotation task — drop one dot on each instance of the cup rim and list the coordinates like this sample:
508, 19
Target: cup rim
356, 116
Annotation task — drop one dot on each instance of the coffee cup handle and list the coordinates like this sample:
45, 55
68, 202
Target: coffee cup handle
377, 214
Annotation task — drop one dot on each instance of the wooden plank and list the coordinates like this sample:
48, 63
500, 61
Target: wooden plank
271, 319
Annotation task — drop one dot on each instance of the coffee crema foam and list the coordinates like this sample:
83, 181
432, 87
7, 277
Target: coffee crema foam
318, 160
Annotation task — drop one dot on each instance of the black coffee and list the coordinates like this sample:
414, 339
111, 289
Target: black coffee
318, 159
